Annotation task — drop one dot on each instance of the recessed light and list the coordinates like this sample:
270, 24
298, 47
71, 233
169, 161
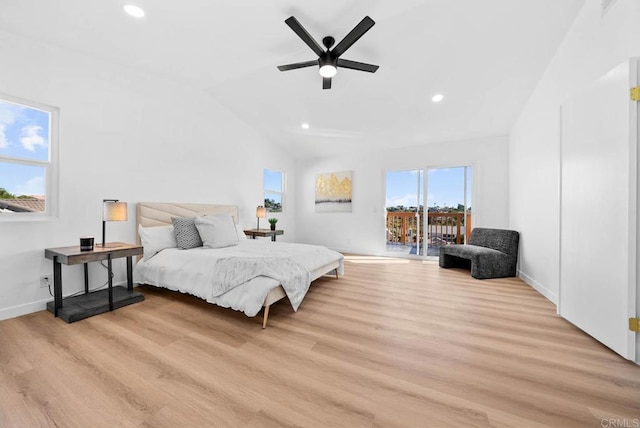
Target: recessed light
305, 126
134, 11
437, 98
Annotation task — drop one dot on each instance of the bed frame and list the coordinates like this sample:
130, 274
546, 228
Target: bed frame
149, 214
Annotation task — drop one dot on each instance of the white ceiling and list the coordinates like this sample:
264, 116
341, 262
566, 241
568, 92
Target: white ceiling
485, 56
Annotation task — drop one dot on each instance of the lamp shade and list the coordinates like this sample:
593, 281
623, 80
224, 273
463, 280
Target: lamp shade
261, 212
114, 211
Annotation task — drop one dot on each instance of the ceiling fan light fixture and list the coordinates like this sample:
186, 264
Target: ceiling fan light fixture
134, 10
330, 59
437, 98
328, 70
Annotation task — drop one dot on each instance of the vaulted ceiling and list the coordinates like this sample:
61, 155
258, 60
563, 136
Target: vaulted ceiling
484, 56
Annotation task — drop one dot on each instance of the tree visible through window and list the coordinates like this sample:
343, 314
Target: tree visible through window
273, 190
26, 135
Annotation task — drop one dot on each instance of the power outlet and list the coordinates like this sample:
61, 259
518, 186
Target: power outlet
45, 281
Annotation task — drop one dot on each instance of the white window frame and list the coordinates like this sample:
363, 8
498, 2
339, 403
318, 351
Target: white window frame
275, 192
51, 166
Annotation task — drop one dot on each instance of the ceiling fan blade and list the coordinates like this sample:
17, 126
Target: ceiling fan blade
326, 83
355, 65
359, 30
297, 65
304, 35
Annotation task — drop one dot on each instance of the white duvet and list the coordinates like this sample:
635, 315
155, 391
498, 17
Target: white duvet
238, 277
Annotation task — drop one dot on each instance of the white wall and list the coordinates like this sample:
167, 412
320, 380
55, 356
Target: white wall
593, 46
125, 135
363, 230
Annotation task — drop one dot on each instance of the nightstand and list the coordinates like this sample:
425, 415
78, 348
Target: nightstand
263, 232
92, 303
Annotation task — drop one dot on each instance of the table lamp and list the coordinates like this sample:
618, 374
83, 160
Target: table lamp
261, 212
112, 210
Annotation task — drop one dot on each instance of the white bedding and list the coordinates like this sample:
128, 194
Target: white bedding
249, 271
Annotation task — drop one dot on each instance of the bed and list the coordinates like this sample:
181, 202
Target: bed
273, 270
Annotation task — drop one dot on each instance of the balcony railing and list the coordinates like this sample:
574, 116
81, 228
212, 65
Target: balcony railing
442, 229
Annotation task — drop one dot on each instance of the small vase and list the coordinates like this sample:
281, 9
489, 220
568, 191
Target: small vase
273, 227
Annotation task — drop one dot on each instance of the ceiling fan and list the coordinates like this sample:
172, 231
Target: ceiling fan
330, 60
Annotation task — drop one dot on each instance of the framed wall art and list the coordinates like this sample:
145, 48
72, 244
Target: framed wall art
333, 192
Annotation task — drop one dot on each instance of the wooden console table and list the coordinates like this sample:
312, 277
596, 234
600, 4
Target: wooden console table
263, 233
92, 303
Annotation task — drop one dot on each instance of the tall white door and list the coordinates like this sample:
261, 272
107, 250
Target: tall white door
598, 241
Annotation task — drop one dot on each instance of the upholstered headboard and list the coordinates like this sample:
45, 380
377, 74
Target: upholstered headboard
159, 213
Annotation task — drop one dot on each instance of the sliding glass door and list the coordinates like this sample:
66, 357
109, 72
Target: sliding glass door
449, 209
411, 233
405, 207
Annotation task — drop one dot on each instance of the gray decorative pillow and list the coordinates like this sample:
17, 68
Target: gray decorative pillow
187, 235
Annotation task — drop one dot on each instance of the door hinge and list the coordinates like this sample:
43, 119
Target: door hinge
635, 93
634, 324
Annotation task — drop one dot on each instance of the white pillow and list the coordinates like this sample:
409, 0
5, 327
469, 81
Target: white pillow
240, 231
155, 239
217, 231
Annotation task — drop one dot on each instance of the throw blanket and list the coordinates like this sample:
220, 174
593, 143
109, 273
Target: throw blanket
233, 271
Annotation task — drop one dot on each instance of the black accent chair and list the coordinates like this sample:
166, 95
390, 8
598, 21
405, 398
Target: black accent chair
492, 253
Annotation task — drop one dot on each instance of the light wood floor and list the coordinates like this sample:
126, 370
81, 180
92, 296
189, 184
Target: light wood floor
392, 343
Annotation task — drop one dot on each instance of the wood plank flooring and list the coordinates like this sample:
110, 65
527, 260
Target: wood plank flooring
393, 343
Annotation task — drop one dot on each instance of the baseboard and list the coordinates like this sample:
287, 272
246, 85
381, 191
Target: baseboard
31, 307
359, 252
550, 295
27, 308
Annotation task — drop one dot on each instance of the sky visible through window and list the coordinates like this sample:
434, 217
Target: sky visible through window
273, 190
402, 188
272, 180
24, 134
446, 187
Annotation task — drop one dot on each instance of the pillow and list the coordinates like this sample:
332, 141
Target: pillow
240, 232
187, 235
217, 231
155, 239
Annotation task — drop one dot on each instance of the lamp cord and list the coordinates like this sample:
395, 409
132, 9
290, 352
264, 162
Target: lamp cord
92, 289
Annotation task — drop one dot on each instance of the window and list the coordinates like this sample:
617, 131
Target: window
273, 190
28, 137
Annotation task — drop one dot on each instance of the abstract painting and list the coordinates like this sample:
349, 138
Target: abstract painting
333, 192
